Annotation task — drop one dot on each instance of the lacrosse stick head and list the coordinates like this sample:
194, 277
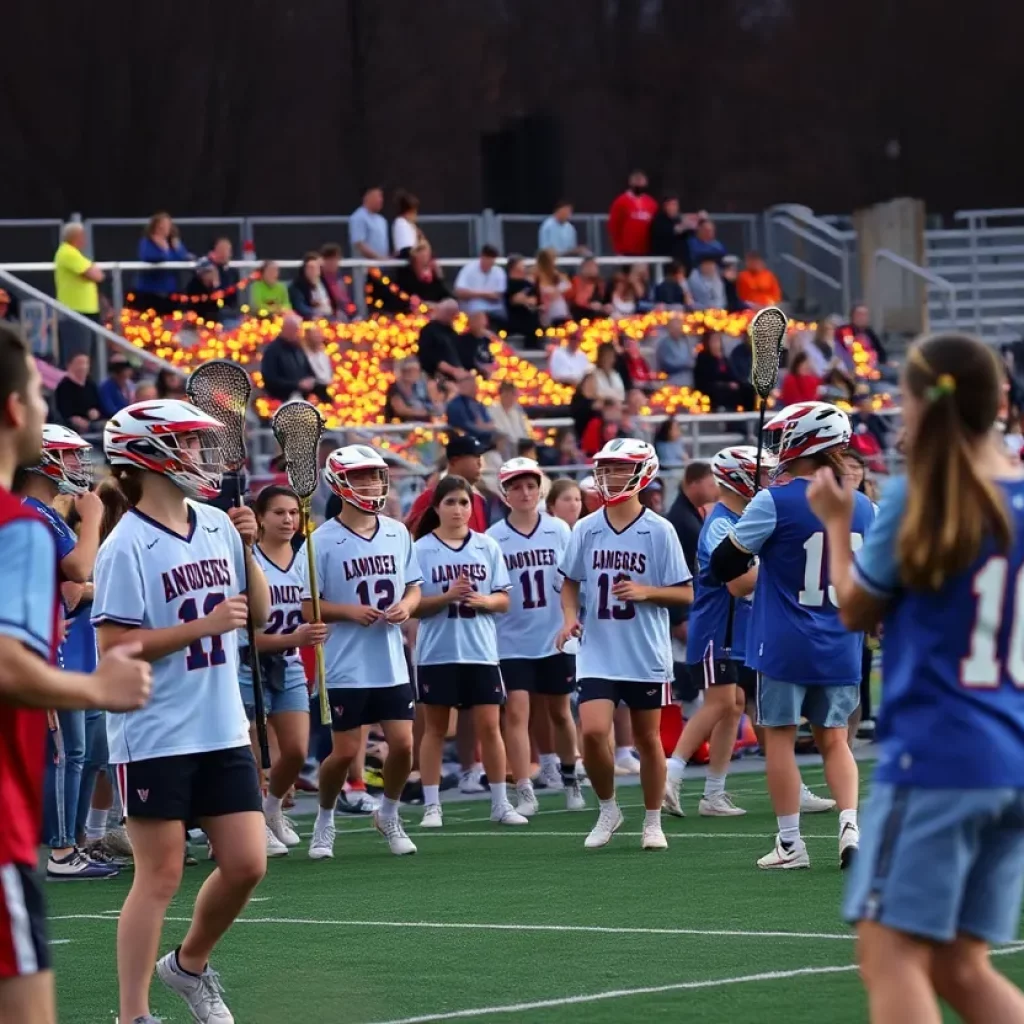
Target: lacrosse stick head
298, 427
221, 389
767, 332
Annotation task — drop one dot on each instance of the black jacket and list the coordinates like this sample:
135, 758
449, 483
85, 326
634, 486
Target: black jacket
284, 365
439, 343
687, 520
665, 241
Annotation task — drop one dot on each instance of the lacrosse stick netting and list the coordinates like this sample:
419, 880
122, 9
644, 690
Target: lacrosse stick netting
767, 332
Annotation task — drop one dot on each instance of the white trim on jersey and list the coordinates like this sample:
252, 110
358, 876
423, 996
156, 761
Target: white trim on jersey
21, 925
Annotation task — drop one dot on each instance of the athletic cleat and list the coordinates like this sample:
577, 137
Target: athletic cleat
810, 803
670, 802
97, 850
76, 867
627, 764
719, 806
506, 814
526, 801
653, 838
472, 781
781, 858
849, 844
432, 817
357, 801
275, 848
550, 777
203, 994
282, 830
609, 821
391, 829
321, 846
574, 799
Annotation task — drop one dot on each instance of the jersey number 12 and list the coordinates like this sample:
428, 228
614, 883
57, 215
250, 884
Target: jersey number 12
813, 593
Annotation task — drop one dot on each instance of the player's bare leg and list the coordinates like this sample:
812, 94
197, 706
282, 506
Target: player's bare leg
290, 731
435, 731
397, 766
595, 726
963, 975
557, 710
721, 745
487, 726
896, 970
625, 762
843, 780
468, 749
333, 771
517, 747
542, 738
647, 739
783, 778
26, 999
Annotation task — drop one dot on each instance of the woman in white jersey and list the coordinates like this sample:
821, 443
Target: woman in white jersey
171, 578
537, 675
369, 584
284, 679
465, 584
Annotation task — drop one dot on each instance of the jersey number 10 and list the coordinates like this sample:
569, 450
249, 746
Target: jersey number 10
813, 593
981, 668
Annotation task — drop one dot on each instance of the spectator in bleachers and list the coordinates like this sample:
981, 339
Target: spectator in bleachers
714, 377
268, 294
703, 244
630, 217
481, 285
640, 279
145, 391
308, 293
509, 419
220, 256
653, 497
801, 383
8, 307
706, 285
741, 358
420, 279
621, 295
864, 418
673, 291
564, 452
170, 385
333, 276
116, 390
205, 280
568, 363
632, 409
285, 366
474, 346
367, 229
587, 295
159, 244
77, 397
674, 354
319, 361
633, 368
609, 380
671, 231
668, 443
407, 398
819, 347
439, 343
584, 403
756, 285
557, 232
552, 286
466, 413
521, 302
858, 334
604, 426
730, 272
405, 232
76, 280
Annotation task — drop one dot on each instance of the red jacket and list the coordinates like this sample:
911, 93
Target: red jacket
477, 522
629, 224
800, 387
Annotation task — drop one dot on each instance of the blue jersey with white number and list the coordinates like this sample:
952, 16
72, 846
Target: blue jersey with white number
373, 571
795, 634
952, 713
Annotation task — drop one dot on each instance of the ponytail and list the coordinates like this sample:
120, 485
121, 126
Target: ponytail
115, 505
128, 480
428, 523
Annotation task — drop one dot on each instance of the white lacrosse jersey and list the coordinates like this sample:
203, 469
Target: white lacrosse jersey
459, 634
149, 577
534, 615
352, 569
623, 640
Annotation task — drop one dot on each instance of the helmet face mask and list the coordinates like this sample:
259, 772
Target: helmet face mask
360, 477
65, 461
623, 468
515, 471
735, 469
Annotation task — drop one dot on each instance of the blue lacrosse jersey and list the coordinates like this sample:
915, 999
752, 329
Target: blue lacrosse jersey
373, 571
28, 597
529, 628
459, 634
795, 635
623, 640
65, 539
708, 624
148, 577
952, 713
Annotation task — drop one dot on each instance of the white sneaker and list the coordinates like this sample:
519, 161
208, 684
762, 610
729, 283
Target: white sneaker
574, 799
282, 831
431, 816
795, 857
275, 848
719, 806
609, 821
550, 777
849, 844
321, 846
812, 804
469, 781
506, 814
203, 995
360, 802
653, 837
670, 802
391, 829
526, 801
627, 764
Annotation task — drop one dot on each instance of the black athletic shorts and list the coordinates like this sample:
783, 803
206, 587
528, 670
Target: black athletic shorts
23, 946
459, 686
554, 675
636, 696
353, 707
685, 688
189, 787
723, 672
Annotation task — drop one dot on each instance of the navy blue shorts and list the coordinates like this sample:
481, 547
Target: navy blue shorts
353, 707
459, 685
23, 946
554, 675
636, 696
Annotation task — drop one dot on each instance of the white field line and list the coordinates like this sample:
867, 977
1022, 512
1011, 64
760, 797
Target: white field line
526, 833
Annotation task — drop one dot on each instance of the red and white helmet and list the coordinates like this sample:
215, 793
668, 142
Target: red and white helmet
352, 458
735, 468
169, 437
624, 450
808, 428
515, 468
65, 460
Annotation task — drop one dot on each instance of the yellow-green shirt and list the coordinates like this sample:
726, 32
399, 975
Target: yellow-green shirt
73, 290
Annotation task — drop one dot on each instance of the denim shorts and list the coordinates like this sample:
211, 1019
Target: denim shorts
780, 704
294, 696
936, 863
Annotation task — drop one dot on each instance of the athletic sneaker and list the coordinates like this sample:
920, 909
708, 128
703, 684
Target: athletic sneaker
275, 848
506, 814
627, 764
98, 851
813, 804
653, 837
471, 781
76, 867
526, 801
849, 844
670, 802
574, 799
550, 777
391, 829
282, 830
203, 994
321, 846
719, 806
116, 841
795, 857
146, 1020
431, 816
356, 801
609, 821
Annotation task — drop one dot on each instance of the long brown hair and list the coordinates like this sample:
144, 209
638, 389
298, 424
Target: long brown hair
951, 508
430, 520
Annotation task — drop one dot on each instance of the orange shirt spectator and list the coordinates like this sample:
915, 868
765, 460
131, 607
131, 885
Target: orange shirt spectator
756, 285
630, 217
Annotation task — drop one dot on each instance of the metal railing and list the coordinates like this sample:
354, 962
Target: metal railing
928, 276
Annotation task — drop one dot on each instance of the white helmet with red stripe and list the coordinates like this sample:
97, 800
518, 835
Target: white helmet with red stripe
516, 468
372, 492
616, 486
735, 468
808, 428
169, 437
65, 460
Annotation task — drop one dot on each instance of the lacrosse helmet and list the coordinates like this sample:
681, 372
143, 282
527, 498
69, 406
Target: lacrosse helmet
65, 460
639, 455
169, 437
354, 458
515, 468
808, 428
735, 468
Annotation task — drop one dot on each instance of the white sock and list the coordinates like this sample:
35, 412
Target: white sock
713, 785
847, 818
549, 759
431, 795
622, 752
789, 828
271, 805
95, 824
524, 784
499, 794
324, 816
388, 808
609, 805
676, 768
652, 818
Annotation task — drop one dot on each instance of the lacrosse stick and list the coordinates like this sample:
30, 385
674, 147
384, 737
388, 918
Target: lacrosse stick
767, 332
298, 426
221, 389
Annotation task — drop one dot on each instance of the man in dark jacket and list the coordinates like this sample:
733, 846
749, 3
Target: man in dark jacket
286, 370
439, 343
698, 489
671, 231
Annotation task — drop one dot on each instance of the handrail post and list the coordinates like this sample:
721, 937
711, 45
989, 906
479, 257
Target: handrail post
117, 287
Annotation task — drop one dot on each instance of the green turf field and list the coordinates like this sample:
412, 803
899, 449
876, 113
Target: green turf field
519, 925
